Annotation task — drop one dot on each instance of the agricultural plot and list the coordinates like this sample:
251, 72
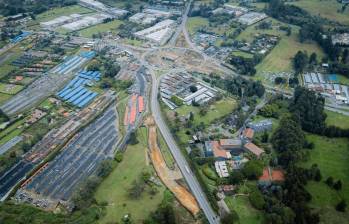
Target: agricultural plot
78, 160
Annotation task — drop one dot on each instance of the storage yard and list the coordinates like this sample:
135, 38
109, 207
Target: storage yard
45, 85
78, 160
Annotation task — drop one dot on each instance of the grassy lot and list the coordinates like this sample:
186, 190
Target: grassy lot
114, 189
4, 88
337, 119
100, 28
332, 156
324, 8
280, 58
63, 11
247, 214
133, 42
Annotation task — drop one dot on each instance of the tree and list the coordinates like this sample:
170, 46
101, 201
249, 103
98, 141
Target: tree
300, 61
329, 181
236, 177
105, 168
193, 88
253, 169
313, 58
119, 157
338, 185
136, 189
308, 107
133, 139
257, 199
341, 206
288, 136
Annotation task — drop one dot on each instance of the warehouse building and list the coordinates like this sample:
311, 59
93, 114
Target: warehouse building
251, 18
159, 34
86, 21
59, 21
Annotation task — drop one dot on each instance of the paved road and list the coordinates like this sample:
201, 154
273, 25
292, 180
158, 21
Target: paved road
177, 154
174, 38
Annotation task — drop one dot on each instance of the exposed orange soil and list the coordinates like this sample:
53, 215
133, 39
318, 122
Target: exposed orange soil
167, 176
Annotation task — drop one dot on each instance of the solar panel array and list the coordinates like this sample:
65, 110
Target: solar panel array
76, 93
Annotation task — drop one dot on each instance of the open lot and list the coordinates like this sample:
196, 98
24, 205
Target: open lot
114, 189
331, 155
325, 8
100, 28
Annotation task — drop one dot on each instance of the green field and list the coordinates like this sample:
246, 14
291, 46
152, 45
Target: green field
247, 214
242, 54
165, 151
332, 156
114, 189
325, 8
10, 88
218, 109
100, 28
63, 11
337, 119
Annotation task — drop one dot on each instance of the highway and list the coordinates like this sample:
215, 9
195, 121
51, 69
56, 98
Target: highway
177, 154
174, 38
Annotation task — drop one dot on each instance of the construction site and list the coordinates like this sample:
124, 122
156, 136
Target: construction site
169, 177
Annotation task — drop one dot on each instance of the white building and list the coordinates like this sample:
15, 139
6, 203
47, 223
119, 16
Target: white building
221, 168
251, 18
96, 5
160, 33
59, 21
86, 21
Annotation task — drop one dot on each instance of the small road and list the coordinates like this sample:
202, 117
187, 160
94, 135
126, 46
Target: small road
177, 154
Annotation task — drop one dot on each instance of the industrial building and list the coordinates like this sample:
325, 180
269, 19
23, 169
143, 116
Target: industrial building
59, 21
179, 85
159, 34
86, 21
327, 86
251, 18
149, 16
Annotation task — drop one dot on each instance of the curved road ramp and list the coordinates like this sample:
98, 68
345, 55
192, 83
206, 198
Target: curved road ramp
167, 176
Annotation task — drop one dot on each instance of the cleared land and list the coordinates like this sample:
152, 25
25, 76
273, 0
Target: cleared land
100, 28
114, 189
324, 8
167, 176
332, 156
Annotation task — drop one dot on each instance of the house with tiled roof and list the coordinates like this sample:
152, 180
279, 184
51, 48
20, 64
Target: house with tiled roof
252, 148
